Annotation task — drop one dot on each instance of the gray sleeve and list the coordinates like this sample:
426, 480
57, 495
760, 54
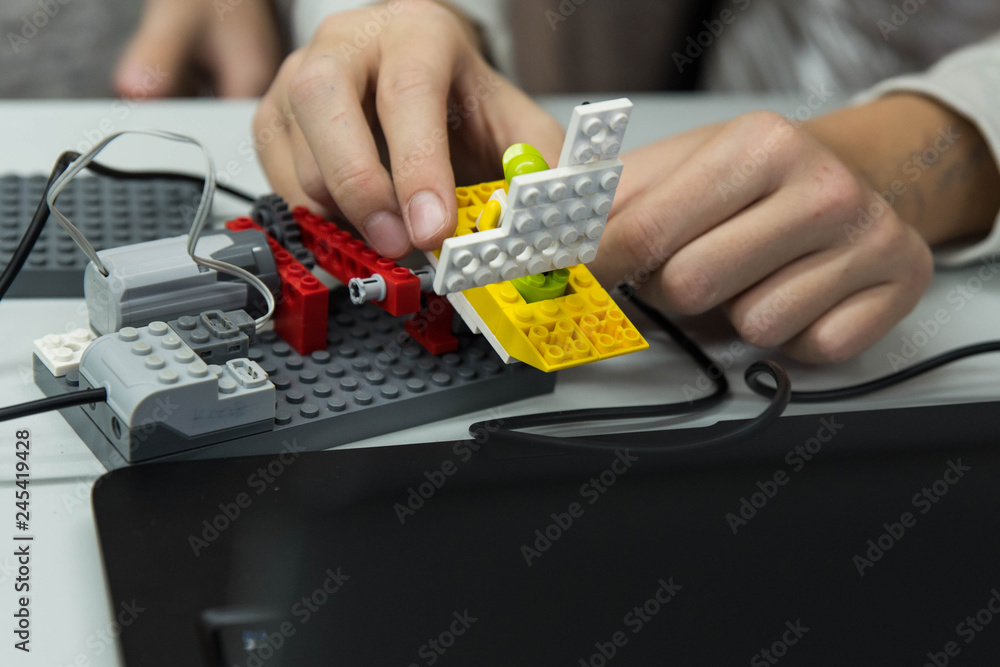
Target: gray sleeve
968, 81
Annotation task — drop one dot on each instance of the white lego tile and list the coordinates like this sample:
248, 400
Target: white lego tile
553, 219
595, 132
61, 352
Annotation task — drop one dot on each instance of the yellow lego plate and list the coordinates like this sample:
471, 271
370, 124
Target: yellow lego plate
580, 327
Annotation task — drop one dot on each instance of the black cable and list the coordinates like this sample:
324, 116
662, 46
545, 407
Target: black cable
98, 395
510, 431
41, 215
864, 388
104, 170
38, 219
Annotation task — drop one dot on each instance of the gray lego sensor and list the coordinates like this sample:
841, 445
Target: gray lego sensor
158, 280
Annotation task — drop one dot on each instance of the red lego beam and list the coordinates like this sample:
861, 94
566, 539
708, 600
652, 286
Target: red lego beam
346, 257
302, 311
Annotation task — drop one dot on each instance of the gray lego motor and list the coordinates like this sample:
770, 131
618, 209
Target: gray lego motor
158, 280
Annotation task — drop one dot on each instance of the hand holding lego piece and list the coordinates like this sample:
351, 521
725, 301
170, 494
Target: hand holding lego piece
411, 74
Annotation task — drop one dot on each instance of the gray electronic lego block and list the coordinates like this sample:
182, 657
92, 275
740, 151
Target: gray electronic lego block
154, 379
111, 212
217, 336
158, 280
370, 380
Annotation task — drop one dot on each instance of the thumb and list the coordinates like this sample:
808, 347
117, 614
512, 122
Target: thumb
153, 64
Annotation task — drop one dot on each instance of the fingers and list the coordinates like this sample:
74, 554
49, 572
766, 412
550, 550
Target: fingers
695, 197
647, 165
156, 60
801, 218
274, 151
854, 325
324, 98
806, 306
774, 311
413, 85
243, 49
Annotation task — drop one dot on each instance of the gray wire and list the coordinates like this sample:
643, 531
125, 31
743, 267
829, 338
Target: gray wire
197, 225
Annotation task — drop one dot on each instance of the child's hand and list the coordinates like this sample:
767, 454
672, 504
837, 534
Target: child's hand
400, 83
761, 218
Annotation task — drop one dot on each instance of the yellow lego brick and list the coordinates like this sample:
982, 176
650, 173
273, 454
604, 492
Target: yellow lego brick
471, 200
583, 326
470, 204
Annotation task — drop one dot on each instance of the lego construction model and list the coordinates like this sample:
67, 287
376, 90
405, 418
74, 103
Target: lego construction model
185, 361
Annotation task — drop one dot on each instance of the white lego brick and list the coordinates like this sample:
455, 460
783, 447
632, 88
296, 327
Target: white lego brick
466, 312
595, 132
61, 353
475, 323
553, 219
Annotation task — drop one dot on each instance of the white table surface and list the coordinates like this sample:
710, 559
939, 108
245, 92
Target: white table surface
72, 613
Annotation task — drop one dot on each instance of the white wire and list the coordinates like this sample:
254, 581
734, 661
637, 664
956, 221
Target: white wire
197, 225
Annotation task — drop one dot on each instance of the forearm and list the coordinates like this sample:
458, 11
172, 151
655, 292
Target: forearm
931, 164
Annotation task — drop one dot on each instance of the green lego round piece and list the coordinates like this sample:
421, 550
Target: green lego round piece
542, 286
522, 159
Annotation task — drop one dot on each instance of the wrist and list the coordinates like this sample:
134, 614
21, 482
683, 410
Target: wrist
930, 163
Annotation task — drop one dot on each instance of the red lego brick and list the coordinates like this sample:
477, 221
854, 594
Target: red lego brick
431, 326
303, 307
345, 257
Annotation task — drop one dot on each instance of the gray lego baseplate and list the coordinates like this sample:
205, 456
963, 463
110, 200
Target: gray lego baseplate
111, 212
370, 380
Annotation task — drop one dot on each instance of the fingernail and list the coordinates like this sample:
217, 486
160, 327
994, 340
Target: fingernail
387, 233
427, 215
